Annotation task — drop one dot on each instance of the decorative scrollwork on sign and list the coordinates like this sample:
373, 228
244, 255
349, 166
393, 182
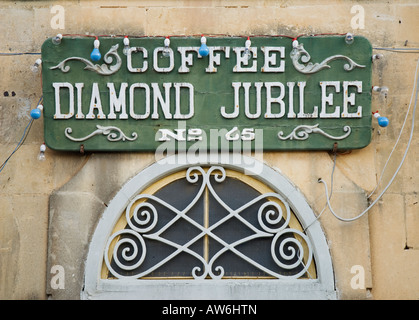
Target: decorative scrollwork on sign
103, 69
126, 250
298, 52
302, 132
113, 134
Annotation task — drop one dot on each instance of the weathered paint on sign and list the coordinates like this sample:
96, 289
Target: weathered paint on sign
287, 96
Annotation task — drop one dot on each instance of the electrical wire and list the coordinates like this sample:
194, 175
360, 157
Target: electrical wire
331, 192
25, 134
18, 53
394, 175
400, 134
21, 141
400, 50
208, 36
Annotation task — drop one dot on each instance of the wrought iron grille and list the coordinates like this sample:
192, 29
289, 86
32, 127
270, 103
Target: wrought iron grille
208, 225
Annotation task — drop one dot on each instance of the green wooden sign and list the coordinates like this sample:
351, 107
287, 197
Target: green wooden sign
270, 94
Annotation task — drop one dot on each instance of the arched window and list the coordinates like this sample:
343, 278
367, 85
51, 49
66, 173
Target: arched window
208, 231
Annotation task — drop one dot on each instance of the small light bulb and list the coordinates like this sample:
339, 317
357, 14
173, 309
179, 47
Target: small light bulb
247, 54
41, 155
57, 39
166, 50
203, 50
36, 113
294, 50
382, 121
349, 38
126, 46
36, 66
382, 90
95, 55
377, 56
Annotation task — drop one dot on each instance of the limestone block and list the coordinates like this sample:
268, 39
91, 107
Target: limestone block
73, 216
9, 248
22, 256
74, 212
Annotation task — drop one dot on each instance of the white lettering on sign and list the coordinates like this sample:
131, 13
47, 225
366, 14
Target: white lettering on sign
274, 59
117, 102
270, 100
350, 99
186, 58
241, 60
95, 104
301, 113
79, 87
129, 59
132, 104
328, 99
195, 134
270, 59
156, 60
57, 86
215, 58
156, 101
191, 108
276, 106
